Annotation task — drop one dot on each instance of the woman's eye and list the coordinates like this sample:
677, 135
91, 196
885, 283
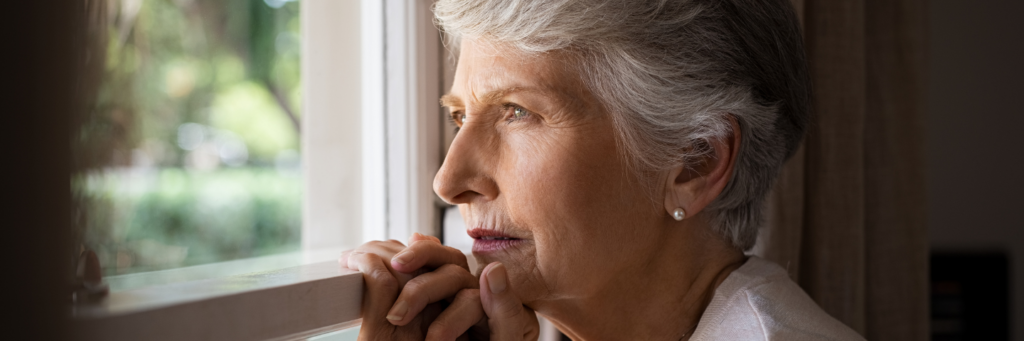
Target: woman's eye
517, 113
460, 118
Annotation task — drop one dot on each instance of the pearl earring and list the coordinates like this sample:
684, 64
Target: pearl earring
679, 214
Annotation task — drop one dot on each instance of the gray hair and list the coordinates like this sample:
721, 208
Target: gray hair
671, 72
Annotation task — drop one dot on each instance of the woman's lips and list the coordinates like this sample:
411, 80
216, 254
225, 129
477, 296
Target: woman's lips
487, 241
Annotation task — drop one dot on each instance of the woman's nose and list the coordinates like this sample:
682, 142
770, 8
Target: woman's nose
466, 174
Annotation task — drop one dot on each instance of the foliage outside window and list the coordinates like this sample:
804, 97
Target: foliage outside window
190, 151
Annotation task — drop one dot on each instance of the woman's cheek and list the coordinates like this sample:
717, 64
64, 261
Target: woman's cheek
544, 186
538, 195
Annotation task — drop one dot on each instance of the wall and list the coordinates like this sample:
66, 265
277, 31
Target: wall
37, 91
975, 147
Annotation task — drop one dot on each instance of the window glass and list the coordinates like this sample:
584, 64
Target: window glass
190, 151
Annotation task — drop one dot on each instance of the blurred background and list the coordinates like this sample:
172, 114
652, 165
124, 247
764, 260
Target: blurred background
188, 152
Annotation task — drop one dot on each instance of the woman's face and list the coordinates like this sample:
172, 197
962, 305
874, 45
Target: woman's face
539, 179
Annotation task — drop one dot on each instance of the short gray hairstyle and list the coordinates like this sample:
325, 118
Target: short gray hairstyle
671, 72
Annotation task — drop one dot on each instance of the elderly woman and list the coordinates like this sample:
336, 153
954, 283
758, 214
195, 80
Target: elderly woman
611, 164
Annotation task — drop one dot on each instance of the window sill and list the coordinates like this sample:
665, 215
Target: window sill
285, 304
221, 269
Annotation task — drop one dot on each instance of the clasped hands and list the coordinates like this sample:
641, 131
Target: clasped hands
425, 291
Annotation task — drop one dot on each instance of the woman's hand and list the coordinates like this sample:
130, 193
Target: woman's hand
490, 312
507, 318
426, 274
382, 284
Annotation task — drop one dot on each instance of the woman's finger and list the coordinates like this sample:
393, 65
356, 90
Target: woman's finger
428, 288
385, 249
427, 253
416, 236
463, 313
506, 316
343, 259
380, 247
381, 287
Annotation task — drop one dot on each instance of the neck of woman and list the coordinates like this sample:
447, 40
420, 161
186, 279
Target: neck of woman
661, 298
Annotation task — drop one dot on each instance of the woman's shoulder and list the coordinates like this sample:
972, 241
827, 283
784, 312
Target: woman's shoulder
759, 301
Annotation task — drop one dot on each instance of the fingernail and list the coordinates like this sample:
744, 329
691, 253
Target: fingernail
398, 312
496, 278
404, 257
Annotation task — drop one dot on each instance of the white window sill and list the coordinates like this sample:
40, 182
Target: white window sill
290, 303
222, 269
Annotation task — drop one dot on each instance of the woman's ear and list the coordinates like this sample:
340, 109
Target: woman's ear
692, 187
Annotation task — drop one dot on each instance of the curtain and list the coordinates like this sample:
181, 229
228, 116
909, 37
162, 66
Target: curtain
847, 215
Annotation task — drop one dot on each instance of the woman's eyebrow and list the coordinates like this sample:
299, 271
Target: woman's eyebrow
496, 96
450, 100
493, 97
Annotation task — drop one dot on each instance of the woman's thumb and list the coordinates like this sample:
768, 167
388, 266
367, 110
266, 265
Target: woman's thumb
507, 318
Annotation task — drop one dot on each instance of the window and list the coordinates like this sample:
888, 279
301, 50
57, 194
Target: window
190, 153
371, 142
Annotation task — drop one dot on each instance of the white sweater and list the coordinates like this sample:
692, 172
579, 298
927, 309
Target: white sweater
758, 301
